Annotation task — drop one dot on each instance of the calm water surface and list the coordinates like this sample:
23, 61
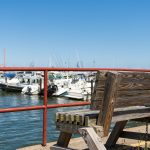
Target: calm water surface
19, 129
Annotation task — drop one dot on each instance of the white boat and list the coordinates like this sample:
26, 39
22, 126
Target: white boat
80, 94
78, 90
34, 86
60, 82
20, 82
31, 89
75, 87
60, 91
11, 85
74, 94
2, 80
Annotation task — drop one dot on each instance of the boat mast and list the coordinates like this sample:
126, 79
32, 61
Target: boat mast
4, 58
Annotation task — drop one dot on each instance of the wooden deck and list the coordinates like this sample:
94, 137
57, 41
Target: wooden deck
79, 144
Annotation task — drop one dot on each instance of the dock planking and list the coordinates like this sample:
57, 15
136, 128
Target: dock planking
79, 144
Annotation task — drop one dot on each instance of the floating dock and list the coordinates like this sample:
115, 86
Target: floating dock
79, 144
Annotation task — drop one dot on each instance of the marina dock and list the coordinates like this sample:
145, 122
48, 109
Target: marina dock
79, 144
118, 97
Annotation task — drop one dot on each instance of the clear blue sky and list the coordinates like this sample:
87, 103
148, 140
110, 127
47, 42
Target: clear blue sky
95, 33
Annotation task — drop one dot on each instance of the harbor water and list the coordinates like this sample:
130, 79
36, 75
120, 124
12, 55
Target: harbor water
20, 129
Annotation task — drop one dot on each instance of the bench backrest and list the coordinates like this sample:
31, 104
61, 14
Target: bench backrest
98, 93
119, 90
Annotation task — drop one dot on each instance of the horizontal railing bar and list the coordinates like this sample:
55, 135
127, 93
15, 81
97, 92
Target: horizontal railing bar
68, 104
5, 110
69, 69
16, 109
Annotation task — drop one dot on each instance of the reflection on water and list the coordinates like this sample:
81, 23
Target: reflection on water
19, 129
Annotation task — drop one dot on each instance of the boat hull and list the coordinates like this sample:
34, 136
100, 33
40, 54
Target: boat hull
10, 88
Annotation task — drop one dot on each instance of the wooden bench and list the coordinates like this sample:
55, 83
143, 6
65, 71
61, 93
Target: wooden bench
118, 97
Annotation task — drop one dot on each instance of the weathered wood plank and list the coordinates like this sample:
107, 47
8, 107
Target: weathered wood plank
98, 93
134, 81
135, 75
133, 101
64, 139
142, 85
66, 127
110, 95
113, 137
56, 147
90, 117
65, 116
146, 119
120, 114
134, 88
77, 120
133, 93
129, 111
93, 141
130, 108
130, 116
134, 135
133, 98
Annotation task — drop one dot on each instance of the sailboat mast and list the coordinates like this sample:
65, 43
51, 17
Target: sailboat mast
4, 57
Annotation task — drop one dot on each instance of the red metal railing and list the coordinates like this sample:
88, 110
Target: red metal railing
45, 105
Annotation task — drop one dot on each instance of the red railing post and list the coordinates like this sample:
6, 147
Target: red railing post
45, 109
